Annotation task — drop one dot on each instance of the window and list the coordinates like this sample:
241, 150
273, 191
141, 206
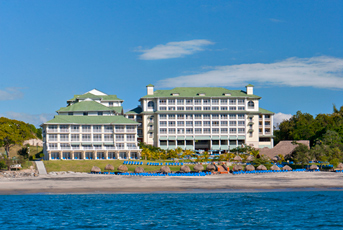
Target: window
206, 102
52, 128
87, 147
267, 116
197, 108
65, 146
108, 137
215, 116
52, 145
120, 145
241, 130
232, 116
223, 123
163, 116
119, 137
215, 102
171, 131
232, 123
198, 123
171, 108
86, 128
131, 146
151, 105
215, 123
171, 123
207, 108
110, 104
241, 108
70, 113
189, 123
119, 128
180, 102
163, 101
180, 108
240, 116
75, 137
197, 116
189, 108
223, 116
180, 131
97, 128
189, 102
163, 123
109, 128
198, 131
267, 123
180, 116
86, 137
207, 131
189, 116
207, 116
163, 108
75, 128
232, 108
171, 102
223, 130
233, 130
85, 113
52, 137
130, 129
215, 130
251, 105
197, 101
223, 101
163, 131
207, 123
97, 146
241, 101
130, 137
232, 101
180, 123
223, 108
215, 108
97, 137
163, 143
189, 131
100, 113
241, 123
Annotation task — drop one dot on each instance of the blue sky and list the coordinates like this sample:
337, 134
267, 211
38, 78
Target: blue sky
292, 51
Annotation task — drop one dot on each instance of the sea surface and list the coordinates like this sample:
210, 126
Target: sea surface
236, 210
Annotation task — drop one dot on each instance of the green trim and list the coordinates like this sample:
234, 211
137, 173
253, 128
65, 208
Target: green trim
86, 143
180, 137
97, 143
75, 143
89, 106
232, 138
224, 147
189, 138
202, 137
241, 137
224, 137
215, 138
264, 111
163, 138
172, 138
108, 143
250, 131
215, 147
92, 96
136, 110
65, 119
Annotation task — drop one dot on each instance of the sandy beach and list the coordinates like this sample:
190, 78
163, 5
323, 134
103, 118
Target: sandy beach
89, 183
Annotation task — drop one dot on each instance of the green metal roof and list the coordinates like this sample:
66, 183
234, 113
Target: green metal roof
92, 96
150, 85
89, 106
250, 85
195, 91
264, 111
65, 119
136, 110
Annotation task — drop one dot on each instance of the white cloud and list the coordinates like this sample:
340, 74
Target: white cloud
319, 72
10, 93
280, 117
35, 119
173, 49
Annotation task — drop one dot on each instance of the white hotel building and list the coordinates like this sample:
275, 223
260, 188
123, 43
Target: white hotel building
206, 118
92, 126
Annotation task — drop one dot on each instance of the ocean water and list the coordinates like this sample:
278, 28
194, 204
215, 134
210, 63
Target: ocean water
238, 210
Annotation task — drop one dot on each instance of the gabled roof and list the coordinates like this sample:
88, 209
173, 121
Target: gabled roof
264, 111
136, 110
195, 91
65, 119
84, 106
92, 96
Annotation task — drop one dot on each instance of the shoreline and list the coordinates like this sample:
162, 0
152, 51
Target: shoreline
109, 184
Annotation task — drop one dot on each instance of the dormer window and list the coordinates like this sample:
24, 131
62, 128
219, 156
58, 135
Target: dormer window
110, 104
227, 94
85, 113
175, 94
201, 94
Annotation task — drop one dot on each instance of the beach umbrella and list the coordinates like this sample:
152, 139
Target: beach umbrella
250, 158
274, 167
165, 169
340, 166
237, 168
95, 169
314, 167
286, 167
185, 168
198, 167
109, 167
123, 168
261, 167
139, 170
210, 167
237, 158
249, 168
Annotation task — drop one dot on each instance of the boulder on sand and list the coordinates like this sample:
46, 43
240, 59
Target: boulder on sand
123, 168
185, 168
165, 169
198, 167
139, 170
95, 169
109, 167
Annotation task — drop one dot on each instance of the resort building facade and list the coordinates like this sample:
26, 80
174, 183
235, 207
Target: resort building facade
203, 118
92, 126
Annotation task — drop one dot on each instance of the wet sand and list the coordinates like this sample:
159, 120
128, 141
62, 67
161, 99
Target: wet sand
89, 183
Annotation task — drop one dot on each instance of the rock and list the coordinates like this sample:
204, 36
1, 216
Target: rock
123, 168
185, 168
139, 170
198, 167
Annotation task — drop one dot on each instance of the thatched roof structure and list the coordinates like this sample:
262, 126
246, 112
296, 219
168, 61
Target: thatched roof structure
210, 167
249, 168
198, 167
237, 168
275, 158
286, 167
283, 147
261, 167
95, 169
314, 167
165, 169
123, 168
185, 168
237, 158
109, 167
250, 158
274, 167
139, 170
340, 166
